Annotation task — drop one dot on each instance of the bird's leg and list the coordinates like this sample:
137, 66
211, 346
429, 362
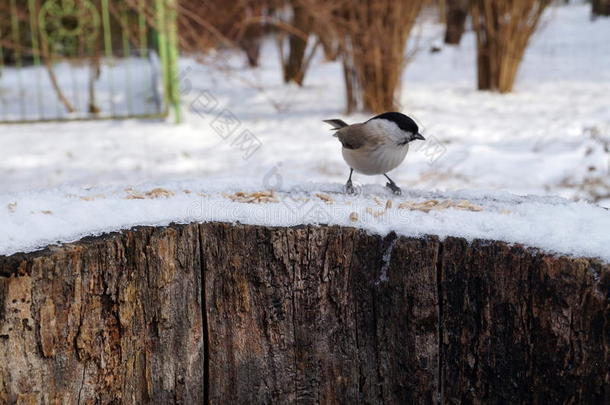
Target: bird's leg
349, 188
392, 186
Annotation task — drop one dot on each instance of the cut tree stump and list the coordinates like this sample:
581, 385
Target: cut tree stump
222, 314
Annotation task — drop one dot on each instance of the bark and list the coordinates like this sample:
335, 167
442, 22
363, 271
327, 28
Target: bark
503, 30
527, 327
251, 42
600, 7
219, 313
95, 71
352, 93
330, 45
110, 320
296, 66
457, 11
302, 322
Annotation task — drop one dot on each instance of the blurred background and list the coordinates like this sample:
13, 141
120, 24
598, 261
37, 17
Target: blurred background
512, 95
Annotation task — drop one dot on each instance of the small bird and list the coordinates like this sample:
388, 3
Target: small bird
376, 146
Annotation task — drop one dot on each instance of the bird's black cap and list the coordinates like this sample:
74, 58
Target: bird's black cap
405, 123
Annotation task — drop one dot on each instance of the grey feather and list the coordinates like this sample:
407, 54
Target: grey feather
354, 137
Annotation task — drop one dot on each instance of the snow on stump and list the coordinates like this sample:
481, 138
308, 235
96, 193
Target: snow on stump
227, 313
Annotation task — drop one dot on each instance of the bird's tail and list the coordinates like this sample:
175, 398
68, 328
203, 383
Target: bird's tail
336, 124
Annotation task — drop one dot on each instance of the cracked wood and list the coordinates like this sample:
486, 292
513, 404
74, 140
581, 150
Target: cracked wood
219, 313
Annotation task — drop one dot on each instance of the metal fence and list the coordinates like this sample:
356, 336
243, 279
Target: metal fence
87, 59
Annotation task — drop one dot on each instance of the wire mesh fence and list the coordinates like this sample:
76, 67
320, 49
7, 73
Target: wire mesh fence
87, 59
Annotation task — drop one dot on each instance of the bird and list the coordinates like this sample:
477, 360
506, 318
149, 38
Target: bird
376, 146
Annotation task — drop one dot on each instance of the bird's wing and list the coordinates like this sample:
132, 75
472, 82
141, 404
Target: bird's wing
353, 137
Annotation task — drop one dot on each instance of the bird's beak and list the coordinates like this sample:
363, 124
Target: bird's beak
419, 136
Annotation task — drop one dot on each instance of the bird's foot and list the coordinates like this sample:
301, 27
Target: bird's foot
395, 189
349, 188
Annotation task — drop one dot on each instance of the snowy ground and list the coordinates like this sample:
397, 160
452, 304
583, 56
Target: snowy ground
244, 127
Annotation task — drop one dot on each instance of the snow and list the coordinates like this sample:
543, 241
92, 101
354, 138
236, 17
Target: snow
32, 220
244, 130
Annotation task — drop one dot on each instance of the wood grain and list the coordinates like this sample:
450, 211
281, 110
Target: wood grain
232, 314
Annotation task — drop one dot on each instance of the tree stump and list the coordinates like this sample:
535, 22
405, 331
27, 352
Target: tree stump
220, 313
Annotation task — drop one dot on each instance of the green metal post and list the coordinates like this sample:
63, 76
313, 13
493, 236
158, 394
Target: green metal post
162, 45
108, 49
36, 52
34, 32
168, 52
173, 59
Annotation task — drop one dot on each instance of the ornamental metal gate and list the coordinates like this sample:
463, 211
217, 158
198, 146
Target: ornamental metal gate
87, 59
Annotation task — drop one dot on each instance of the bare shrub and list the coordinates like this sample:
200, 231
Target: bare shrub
295, 64
206, 24
503, 29
301, 21
374, 36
